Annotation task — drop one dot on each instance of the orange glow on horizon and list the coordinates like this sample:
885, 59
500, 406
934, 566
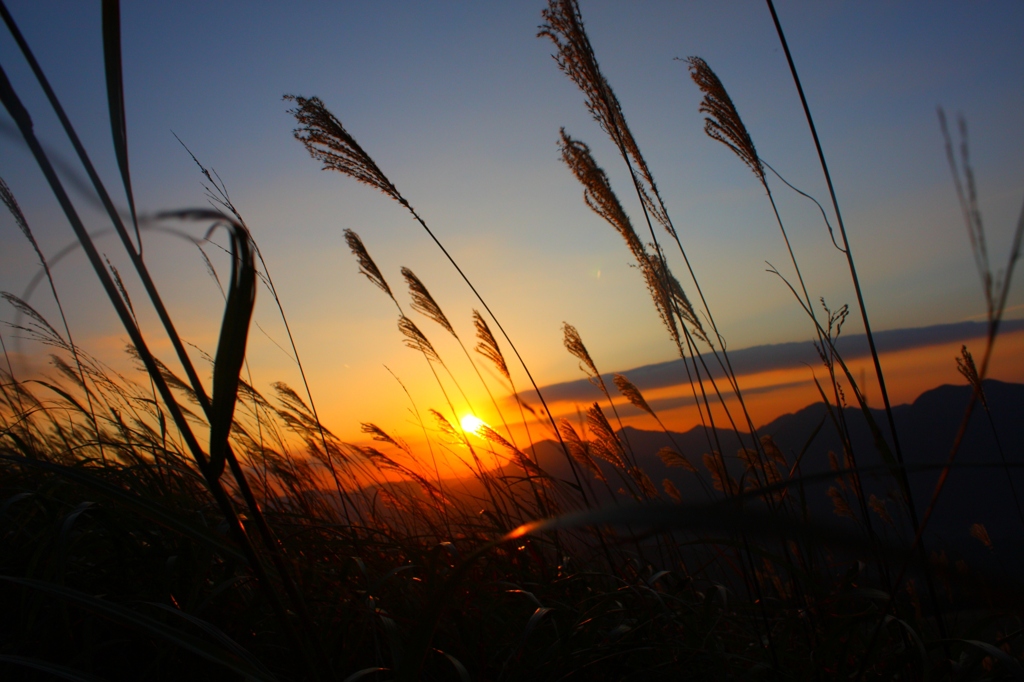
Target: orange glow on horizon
769, 395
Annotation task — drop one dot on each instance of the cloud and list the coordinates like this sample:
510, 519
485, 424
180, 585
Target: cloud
757, 359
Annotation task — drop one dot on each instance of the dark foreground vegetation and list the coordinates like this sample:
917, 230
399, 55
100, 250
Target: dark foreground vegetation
174, 529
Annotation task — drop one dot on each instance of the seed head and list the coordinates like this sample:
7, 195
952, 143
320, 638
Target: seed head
723, 122
329, 143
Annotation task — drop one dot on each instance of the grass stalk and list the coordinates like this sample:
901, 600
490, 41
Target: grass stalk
849, 259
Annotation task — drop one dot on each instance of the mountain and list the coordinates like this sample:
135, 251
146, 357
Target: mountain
978, 490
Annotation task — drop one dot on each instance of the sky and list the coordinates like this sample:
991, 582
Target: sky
460, 104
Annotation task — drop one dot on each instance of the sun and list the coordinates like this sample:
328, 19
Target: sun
472, 424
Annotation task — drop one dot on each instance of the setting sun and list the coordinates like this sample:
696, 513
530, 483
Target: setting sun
472, 424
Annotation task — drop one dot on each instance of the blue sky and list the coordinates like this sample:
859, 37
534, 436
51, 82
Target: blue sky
461, 104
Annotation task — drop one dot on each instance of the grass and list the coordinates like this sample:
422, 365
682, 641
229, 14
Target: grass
163, 530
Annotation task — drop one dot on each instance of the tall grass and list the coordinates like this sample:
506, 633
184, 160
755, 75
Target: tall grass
181, 528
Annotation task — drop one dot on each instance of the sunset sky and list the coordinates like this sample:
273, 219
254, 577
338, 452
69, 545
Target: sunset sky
460, 104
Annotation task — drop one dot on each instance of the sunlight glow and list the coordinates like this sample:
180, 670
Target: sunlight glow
472, 424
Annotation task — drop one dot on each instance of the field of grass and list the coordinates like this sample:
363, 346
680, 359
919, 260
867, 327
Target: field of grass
174, 528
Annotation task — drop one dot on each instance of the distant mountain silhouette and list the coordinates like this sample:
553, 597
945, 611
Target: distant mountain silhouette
926, 428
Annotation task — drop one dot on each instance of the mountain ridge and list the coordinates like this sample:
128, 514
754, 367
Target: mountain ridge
974, 493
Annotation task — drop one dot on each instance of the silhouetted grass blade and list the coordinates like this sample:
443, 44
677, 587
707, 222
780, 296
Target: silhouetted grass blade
61, 671
115, 100
723, 516
134, 619
145, 508
234, 331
